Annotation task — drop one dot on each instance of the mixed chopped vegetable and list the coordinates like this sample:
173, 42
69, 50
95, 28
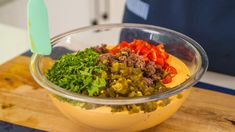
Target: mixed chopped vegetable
126, 70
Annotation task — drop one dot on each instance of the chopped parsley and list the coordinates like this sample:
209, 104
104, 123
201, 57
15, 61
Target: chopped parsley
79, 73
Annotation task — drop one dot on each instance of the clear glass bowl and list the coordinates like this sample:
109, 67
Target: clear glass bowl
96, 112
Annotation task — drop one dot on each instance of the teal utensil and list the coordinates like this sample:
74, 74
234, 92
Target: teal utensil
38, 27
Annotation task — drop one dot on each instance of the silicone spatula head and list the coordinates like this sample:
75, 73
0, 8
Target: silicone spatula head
38, 27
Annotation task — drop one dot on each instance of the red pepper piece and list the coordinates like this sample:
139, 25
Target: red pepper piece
171, 70
167, 79
124, 44
160, 61
153, 56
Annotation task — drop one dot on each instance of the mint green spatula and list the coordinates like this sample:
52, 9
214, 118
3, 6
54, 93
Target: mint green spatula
38, 27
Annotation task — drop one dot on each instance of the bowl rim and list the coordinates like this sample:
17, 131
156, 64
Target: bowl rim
192, 80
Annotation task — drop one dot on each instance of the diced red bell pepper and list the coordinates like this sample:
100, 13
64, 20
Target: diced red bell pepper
167, 79
160, 47
132, 47
124, 44
113, 51
117, 48
147, 45
139, 48
153, 56
145, 51
160, 61
171, 70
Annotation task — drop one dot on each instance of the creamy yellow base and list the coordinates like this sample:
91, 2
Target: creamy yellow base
103, 118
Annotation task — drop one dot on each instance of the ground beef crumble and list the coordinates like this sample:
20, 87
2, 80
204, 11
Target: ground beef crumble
101, 48
151, 72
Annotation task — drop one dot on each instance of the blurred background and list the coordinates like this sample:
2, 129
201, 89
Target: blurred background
64, 15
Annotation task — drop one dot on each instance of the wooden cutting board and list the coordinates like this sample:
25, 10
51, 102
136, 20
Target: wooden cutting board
24, 102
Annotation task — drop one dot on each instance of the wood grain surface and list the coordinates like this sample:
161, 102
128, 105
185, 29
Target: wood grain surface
24, 102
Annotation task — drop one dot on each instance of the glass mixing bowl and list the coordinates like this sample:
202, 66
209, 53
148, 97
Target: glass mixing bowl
96, 112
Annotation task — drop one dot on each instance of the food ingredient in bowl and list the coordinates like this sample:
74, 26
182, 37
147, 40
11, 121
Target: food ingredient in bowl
78, 72
126, 70
119, 117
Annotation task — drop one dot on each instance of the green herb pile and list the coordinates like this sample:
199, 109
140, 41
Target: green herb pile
79, 73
